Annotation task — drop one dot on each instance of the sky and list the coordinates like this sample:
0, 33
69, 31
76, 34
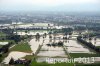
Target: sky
50, 5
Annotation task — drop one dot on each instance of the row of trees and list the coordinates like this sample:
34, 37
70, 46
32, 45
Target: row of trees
89, 44
5, 48
10, 36
16, 38
59, 44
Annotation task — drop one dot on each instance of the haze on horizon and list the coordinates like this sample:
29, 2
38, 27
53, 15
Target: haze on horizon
50, 5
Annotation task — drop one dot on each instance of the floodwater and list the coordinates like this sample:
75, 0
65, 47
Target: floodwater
74, 47
94, 42
35, 44
15, 55
3, 43
51, 51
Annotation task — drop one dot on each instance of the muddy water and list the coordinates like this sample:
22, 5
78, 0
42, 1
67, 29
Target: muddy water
74, 47
94, 42
15, 55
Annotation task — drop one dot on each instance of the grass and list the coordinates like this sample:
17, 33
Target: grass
22, 47
3, 56
2, 34
28, 57
93, 64
46, 64
98, 46
3, 38
76, 55
1, 46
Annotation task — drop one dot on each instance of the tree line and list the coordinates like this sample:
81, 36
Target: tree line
89, 44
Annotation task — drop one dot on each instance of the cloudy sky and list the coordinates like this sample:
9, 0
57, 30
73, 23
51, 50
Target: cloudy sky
50, 5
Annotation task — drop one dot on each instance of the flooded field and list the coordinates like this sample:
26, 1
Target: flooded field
94, 41
35, 44
74, 47
52, 52
15, 55
47, 51
3, 43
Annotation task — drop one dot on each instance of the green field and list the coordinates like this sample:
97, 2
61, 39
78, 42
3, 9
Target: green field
98, 46
76, 55
2, 34
22, 47
46, 64
28, 57
1, 46
93, 64
3, 56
